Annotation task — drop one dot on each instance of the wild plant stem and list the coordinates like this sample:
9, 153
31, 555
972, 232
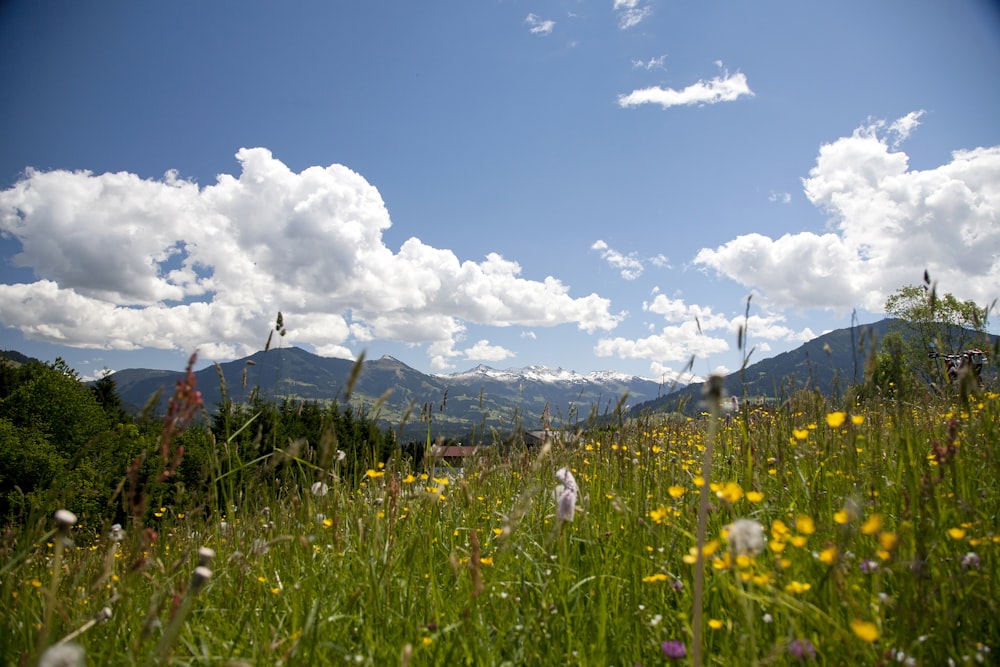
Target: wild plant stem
713, 397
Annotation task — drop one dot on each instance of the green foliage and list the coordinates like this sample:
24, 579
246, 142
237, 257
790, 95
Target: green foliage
889, 376
29, 464
52, 400
926, 320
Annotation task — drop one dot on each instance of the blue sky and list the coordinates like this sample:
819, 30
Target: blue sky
591, 185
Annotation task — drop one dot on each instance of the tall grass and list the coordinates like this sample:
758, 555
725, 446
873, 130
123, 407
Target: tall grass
882, 547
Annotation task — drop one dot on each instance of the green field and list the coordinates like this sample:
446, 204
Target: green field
881, 527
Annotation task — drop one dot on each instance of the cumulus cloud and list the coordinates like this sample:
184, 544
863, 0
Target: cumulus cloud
482, 350
695, 331
125, 263
724, 88
888, 224
631, 13
539, 26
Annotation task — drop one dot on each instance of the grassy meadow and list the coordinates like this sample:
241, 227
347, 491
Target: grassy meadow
873, 538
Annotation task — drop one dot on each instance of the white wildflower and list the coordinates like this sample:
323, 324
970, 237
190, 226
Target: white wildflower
319, 489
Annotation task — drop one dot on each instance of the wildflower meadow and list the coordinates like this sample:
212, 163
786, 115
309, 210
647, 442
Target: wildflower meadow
818, 531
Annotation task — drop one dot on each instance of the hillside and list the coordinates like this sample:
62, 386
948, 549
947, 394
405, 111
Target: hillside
829, 363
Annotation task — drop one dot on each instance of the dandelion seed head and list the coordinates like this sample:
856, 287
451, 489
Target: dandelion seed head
746, 537
63, 655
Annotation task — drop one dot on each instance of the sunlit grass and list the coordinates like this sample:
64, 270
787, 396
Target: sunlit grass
880, 539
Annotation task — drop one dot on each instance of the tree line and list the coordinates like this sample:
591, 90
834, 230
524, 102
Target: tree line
67, 443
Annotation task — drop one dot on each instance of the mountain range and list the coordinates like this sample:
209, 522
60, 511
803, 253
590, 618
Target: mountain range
480, 398
484, 398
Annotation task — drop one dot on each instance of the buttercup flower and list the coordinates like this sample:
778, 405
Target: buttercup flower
865, 630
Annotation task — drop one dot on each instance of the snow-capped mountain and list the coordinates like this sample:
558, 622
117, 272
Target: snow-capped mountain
544, 374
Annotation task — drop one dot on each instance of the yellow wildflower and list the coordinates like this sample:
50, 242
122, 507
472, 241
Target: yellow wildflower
659, 514
779, 530
887, 540
836, 419
828, 555
731, 492
865, 630
872, 524
796, 587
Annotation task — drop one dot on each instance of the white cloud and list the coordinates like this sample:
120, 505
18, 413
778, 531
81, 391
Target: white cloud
482, 350
651, 64
781, 197
126, 263
901, 128
695, 331
539, 26
631, 13
630, 266
889, 223
674, 343
723, 88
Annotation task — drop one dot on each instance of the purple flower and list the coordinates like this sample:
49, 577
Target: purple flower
801, 649
868, 566
674, 649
